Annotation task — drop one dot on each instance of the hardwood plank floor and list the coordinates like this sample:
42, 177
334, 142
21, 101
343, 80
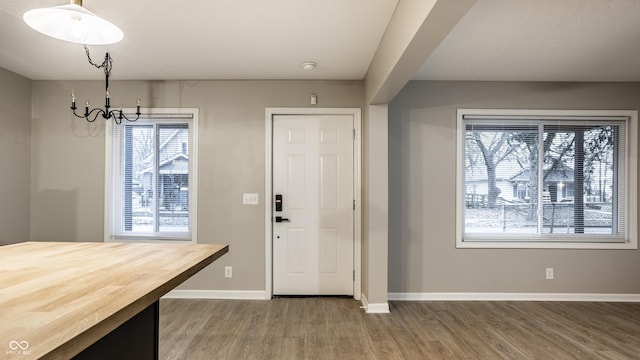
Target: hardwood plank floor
336, 328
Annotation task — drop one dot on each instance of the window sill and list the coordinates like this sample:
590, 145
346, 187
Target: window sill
151, 239
630, 245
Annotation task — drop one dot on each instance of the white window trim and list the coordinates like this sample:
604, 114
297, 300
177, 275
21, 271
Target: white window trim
109, 196
631, 171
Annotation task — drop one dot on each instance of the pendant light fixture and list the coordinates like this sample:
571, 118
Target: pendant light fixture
73, 23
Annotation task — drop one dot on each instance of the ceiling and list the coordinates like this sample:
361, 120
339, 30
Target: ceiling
206, 39
541, 40
511, 40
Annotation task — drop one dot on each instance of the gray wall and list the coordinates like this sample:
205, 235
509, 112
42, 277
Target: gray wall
68, 161
422, 155
15, 164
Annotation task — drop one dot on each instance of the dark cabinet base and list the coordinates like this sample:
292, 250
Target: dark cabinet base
135, 339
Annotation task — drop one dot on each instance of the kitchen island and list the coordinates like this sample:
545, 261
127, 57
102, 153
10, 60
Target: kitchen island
62, 300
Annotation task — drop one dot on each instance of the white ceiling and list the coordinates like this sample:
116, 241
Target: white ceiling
537, 40
206, 39
541, 40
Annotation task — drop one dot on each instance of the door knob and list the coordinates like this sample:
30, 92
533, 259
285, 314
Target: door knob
281, 219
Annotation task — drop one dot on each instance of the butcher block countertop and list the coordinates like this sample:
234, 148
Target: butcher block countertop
56, 299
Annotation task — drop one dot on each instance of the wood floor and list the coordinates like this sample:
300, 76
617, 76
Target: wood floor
335, 328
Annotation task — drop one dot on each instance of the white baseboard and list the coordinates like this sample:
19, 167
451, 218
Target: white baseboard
216, 294
381, 308
441, 296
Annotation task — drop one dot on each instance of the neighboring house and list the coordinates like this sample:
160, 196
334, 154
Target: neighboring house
558, 185
479, 187
513, 183
476, 185
173, 181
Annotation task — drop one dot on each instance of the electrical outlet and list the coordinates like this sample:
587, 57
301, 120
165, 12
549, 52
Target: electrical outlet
228, 272
549, 274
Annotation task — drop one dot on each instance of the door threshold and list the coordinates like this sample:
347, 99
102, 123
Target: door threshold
311, 296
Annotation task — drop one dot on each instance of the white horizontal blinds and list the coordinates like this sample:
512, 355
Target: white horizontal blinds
581, 178
116, 208
134, 178
545, 178
500, 168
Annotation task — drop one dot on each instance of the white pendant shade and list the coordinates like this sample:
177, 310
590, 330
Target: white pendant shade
73, 23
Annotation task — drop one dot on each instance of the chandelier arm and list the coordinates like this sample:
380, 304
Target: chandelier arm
90, 116
97, 111
124, 116
74, 113
116, 119
119, 115
84, 116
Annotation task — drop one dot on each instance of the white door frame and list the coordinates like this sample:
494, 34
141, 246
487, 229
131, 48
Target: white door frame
357, 186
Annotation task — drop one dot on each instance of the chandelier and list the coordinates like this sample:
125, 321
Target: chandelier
106, 113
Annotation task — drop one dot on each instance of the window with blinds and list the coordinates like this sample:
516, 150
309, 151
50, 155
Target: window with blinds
151, 169
546, 179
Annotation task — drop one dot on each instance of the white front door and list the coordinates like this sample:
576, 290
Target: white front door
313, 238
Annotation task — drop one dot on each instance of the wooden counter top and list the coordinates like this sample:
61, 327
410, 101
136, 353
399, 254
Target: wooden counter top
62, 297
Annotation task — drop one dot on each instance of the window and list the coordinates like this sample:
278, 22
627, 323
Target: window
151, 170
547, 179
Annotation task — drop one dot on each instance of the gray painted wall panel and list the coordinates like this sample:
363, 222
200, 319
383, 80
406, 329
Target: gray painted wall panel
15, 150
422, 180
68, 161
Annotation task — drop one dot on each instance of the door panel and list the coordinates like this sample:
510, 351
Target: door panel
313, 170
297, 190
328, 250
329, 174
297, 251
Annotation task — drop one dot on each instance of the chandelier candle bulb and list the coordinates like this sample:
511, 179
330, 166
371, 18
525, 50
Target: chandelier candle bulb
107, 103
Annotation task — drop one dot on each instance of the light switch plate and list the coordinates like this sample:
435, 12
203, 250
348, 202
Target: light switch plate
250, 199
